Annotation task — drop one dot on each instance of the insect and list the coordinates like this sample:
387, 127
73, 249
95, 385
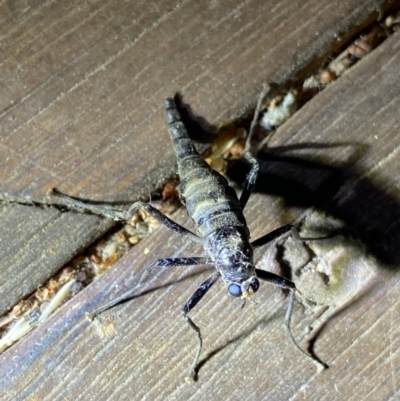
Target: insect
221, 228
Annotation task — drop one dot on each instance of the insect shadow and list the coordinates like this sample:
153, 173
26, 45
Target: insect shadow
242, 335
306, 176
341, 190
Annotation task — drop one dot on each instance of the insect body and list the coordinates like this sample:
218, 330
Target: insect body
216, 212
221, 228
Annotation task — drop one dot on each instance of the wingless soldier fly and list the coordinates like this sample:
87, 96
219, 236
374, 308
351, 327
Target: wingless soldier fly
221, 228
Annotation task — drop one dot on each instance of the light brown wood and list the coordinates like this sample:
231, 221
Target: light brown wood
246, 353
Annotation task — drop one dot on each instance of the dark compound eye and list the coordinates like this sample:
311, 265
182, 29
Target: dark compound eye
235, 290
255, 285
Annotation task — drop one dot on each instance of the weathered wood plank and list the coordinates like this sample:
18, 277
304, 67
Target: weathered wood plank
246, 354
38, 266
83, 87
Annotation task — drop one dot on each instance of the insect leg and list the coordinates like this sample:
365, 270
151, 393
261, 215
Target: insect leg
275, 279
120, 215
193, 301
279, 232
283, 232
167, 262
289, 285
251, 177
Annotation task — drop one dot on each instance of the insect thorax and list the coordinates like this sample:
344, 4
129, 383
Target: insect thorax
231, 253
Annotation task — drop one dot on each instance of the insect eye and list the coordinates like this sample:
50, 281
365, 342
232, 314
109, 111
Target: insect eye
235, 290
255, 285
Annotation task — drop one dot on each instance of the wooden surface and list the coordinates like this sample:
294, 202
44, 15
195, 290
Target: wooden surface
82, 111
82, 91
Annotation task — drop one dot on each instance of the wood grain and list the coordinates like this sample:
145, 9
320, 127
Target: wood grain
82, 89
246, 354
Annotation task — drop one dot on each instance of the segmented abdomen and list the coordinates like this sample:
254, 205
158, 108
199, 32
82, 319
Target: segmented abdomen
210, 201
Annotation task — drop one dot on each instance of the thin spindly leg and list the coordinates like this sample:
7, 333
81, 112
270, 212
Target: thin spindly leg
278, 233
251, 177
115, 214
283, 232
193, 301
168, 262
289, 285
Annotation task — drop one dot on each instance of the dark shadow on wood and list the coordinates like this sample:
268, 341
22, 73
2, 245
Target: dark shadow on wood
199, 129
339, 190
150, 289
237, 338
